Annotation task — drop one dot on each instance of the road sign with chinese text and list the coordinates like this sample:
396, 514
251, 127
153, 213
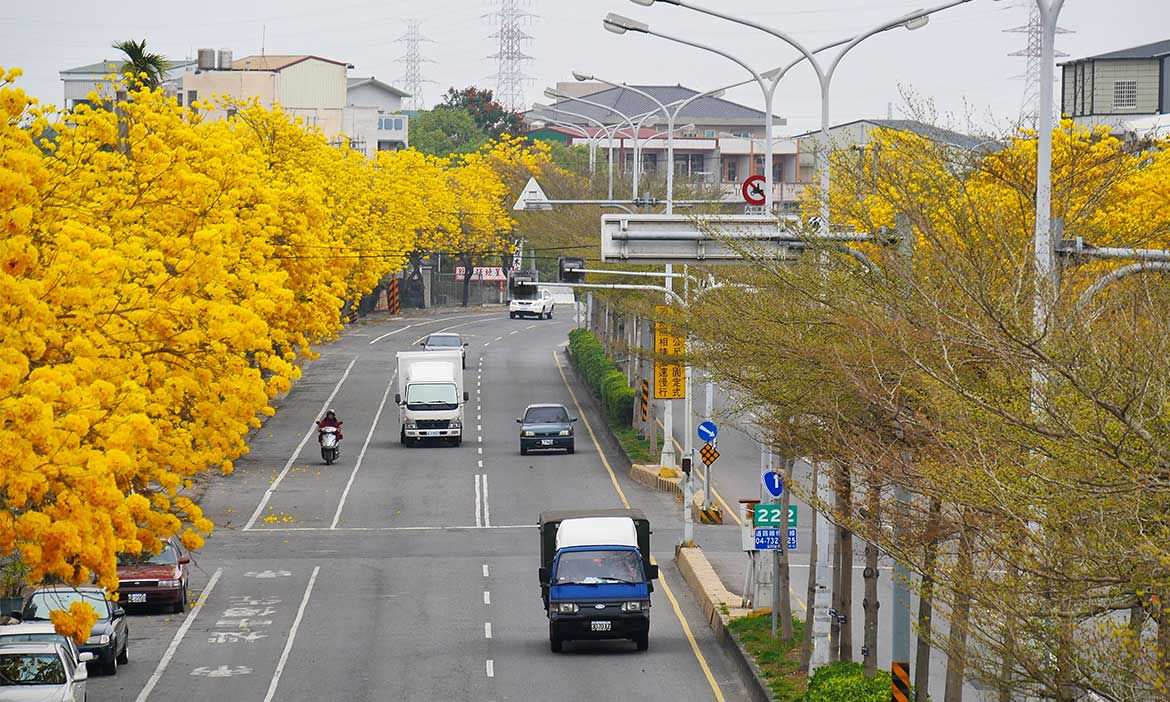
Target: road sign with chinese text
669, 375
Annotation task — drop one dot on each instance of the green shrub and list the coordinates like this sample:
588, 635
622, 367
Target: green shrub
607, 382
846, 682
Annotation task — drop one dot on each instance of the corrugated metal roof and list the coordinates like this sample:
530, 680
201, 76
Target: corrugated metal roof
104, 67
276, 62
1145, 51
929, 131
704, 110
358, 82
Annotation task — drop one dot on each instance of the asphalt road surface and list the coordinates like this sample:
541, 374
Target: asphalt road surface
410, 573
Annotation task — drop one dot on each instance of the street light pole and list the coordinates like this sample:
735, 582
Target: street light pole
609, 129
626, 118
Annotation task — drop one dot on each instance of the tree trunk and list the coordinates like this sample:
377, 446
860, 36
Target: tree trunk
806, 642
870, 604
845, 561
957, 647
468, 271
784, 581
926, 602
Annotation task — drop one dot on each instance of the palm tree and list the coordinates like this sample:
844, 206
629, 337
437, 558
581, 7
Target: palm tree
139, 61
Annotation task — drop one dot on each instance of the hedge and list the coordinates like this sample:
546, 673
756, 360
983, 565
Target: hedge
846, 682
608, 383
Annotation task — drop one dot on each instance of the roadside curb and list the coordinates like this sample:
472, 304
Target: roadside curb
716, 601
651, 477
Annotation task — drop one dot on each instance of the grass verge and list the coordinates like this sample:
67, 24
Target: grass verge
778, 660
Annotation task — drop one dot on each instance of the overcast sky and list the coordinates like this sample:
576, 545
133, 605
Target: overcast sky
959, 61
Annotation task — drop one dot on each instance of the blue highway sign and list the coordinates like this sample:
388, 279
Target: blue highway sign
767, 539
773, 483
791, 538
708, 431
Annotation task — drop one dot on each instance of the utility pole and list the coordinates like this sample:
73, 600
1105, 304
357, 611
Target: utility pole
510, 57
412, 79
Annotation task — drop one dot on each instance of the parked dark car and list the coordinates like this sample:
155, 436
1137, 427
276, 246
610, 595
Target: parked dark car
109, 641
546, 427
158, 580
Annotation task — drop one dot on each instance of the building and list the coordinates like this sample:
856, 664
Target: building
1117, 87
309, 88
374, 116
716, 140
858, 135
82, 81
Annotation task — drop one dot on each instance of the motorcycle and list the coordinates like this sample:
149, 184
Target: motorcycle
330, 444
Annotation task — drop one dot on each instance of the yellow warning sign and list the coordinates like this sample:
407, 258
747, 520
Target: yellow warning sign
669, 376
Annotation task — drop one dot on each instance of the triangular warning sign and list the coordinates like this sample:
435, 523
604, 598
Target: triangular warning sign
532, 198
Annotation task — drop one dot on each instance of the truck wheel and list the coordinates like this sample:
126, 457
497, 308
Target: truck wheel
554, 641
402, 438
550, 311
642, 641
511, 315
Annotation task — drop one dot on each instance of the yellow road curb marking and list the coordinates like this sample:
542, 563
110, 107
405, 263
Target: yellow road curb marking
715, 689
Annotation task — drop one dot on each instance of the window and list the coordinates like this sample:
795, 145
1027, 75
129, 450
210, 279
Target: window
179, 97
758, 165
380, 122
649, 163
1124, 94
192, 96
709, 133
398, 124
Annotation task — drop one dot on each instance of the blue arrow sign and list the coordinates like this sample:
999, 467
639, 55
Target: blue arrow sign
708, 431
774, 483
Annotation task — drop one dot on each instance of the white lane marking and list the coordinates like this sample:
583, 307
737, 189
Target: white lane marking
491, 668
362, 455
292, 635
497, 338
487, 512
292, 459
530, 326
512, 332
479, 450
487, 630
178, 638
408, 326
478, 418
478, 427
485, 570
487, 343
480, 439
341, 530
479, 464
478, 520
487, 597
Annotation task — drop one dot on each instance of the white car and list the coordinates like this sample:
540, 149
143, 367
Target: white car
41, 672
38, 632
540, 306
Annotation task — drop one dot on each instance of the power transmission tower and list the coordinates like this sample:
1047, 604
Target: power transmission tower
510, 58
412, 81
1030, 105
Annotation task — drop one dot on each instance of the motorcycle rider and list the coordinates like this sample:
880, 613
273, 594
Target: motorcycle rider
330, 420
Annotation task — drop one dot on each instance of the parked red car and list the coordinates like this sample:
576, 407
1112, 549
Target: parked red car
159, 580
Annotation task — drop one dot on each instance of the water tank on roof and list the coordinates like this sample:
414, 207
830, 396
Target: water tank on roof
225, 59
205, 60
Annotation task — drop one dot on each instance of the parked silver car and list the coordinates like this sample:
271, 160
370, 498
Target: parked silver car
41, 672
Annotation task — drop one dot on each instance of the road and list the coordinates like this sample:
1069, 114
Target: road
410, 573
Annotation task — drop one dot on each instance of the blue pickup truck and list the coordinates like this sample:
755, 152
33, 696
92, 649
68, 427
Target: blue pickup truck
596, 575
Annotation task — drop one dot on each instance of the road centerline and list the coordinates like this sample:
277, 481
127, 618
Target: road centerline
292, 459
358, 464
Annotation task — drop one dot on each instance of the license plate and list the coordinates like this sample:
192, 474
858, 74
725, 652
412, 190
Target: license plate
138, 597
546, 442
432, 433
601, 626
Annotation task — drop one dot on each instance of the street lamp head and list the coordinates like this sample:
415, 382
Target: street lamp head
648, 3
620, 25
538, 124
917, 22
581, 76
552, 94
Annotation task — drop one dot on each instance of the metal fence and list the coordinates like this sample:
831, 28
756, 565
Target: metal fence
447, 290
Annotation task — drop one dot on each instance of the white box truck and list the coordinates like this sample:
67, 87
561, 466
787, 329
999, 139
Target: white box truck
430, 396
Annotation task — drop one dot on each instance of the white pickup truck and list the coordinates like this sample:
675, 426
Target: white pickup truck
430, 396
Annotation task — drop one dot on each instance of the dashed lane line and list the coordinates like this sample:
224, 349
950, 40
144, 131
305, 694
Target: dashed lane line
485, 570
178, 638
491, 668
292, 635
487, 597
487, 630
357, 465
686, 627
292, 459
